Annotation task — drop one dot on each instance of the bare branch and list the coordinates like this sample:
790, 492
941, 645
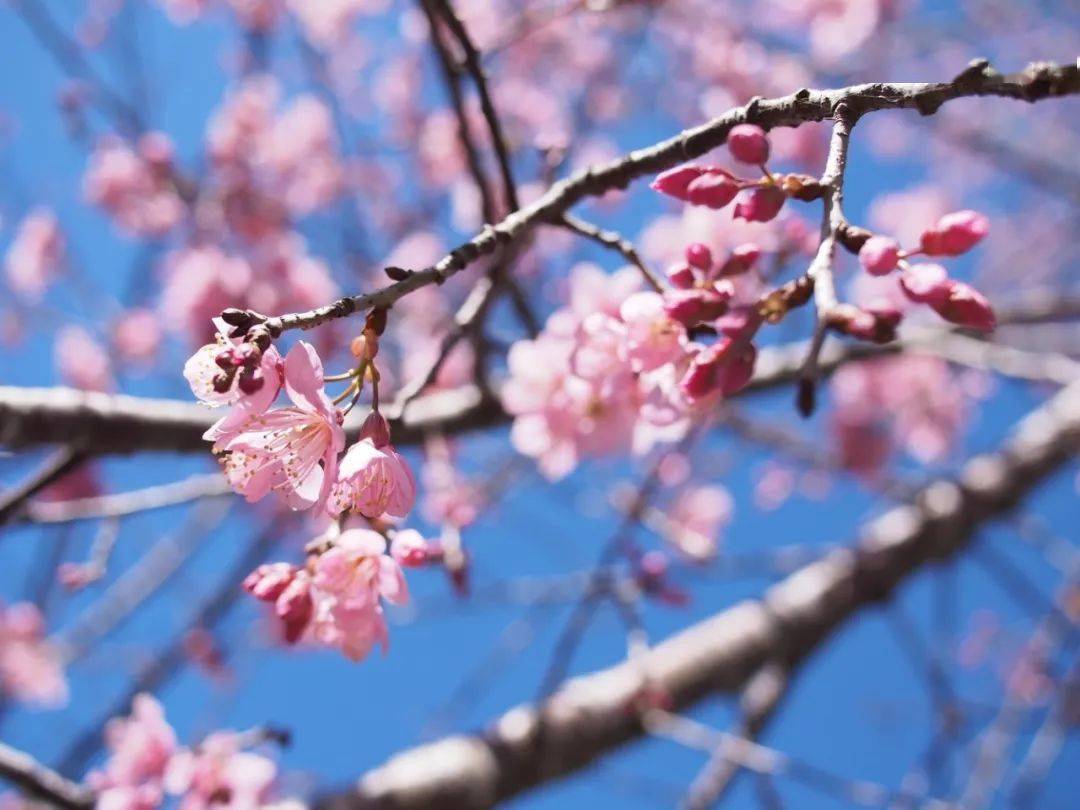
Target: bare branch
40, 782
1038, 81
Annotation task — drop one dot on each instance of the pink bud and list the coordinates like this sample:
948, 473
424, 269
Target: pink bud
268, 581
376, 428
955, 233
699, 256
879, 255
674, 182
691, 307
409, 548
713, 190
742, 258
295, 608
925, 283
966, 306
726, 366
681, 276
876, 323
761, 204
748, 144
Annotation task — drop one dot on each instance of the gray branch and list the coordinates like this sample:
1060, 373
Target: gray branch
589, 716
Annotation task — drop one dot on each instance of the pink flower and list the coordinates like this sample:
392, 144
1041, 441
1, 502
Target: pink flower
955, 233
288, 588
760, 205
705, 302
350, 580
31, 669
219, 774
231, 372
135, 186
652, 338
373, 478
409, 548
748, 143
879, 255
293, 450
36, 255
140, 747
725, 366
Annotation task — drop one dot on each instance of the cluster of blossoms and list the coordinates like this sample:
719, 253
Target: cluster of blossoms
147, 766
31, 668
930, 284
299, 452
137, 185
912, 402
617, 368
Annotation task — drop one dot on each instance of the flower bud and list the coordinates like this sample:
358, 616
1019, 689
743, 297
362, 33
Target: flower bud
966, 306
879, 255
295, 607
713, 190
699, 256
925, 283
748, 143
955, 233
675, 182
681, 276
267, 582
742, 258
760, 205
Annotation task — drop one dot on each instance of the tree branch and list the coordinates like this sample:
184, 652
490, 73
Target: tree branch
588, 717
39, 782
1038, 81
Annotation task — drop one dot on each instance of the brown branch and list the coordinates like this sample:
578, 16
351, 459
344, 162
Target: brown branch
39, 782
588, 717
612, 240
115, 423
1038, 81
57, 465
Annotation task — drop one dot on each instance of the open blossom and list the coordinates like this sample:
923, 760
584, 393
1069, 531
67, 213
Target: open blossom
36, 254
652, 338
350, 581
695, 519
231, 372
218, 773
911, 402
146, 764
140, 747
292, 450
373, 478
30, 666
136, 186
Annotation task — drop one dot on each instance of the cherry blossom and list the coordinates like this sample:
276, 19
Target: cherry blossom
373, 478
292, 450
350, 581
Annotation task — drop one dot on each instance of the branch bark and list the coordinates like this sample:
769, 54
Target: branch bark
1037, 81
589, 716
